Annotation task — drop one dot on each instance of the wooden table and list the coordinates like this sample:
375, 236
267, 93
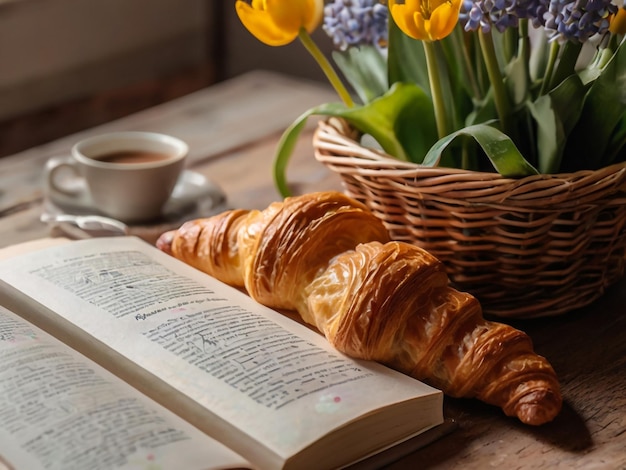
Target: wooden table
232, 129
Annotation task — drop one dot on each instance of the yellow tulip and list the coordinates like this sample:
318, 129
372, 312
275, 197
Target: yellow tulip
427, 20
618, 22
278, 22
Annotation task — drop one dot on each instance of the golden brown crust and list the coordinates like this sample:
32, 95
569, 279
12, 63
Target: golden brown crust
209, 244
327, 257
298, 238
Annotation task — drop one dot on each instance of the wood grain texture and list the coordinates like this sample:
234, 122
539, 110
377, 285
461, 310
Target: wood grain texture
232, 130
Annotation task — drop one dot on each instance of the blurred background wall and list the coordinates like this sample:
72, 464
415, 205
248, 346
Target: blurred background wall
66, 65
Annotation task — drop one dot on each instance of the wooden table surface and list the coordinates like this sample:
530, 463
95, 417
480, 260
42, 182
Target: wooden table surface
232, 129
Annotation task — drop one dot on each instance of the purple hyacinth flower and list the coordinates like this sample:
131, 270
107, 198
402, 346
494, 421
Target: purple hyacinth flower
356, 23
577, 20
499, 14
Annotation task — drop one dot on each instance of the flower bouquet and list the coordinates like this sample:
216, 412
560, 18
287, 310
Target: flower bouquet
491, 133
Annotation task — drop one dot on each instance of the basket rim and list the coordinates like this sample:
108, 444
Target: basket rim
334, 147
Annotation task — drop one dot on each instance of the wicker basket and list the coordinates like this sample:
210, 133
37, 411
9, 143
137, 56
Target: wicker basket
536, 246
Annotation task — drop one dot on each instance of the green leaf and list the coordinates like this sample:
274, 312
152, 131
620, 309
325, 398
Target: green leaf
549, 136
462, 69
484, 111
555, 115
406, 61
566, 65
616, 149
539, 54
506, 44
401, 121
286, 145
517, 79
568, 100
499, 148
603, 111
366, 70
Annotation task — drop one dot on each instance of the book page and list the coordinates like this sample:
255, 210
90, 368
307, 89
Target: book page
58, 410
252, 366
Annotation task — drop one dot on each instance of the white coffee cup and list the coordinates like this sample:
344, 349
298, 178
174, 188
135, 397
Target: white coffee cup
129, 175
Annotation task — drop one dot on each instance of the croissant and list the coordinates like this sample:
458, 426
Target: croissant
327, 257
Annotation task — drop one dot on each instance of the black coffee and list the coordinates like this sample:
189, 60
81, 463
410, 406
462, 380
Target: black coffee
132, 156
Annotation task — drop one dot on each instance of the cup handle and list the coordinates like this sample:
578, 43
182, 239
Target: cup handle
54, 167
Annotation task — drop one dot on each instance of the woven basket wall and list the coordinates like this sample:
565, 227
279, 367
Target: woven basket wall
536, 246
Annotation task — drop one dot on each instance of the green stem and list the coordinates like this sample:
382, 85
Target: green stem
441, 115
547, 76
466, 62
523, 49
326, 67
500, 95
511, 39
567, 63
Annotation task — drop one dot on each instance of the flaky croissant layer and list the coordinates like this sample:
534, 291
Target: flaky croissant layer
327, 257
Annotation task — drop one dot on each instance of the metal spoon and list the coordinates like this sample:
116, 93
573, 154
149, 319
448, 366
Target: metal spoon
94, 224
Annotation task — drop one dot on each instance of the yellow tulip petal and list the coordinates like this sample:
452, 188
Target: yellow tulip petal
442, 21
297, 14
287, 15
278, 22
434, 4
618, 22
262, 26
404, 19
426, 20
421, 27
314, 15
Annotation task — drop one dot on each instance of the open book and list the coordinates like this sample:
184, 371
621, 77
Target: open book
116, 355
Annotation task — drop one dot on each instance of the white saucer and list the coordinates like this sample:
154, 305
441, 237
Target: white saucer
193, 194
